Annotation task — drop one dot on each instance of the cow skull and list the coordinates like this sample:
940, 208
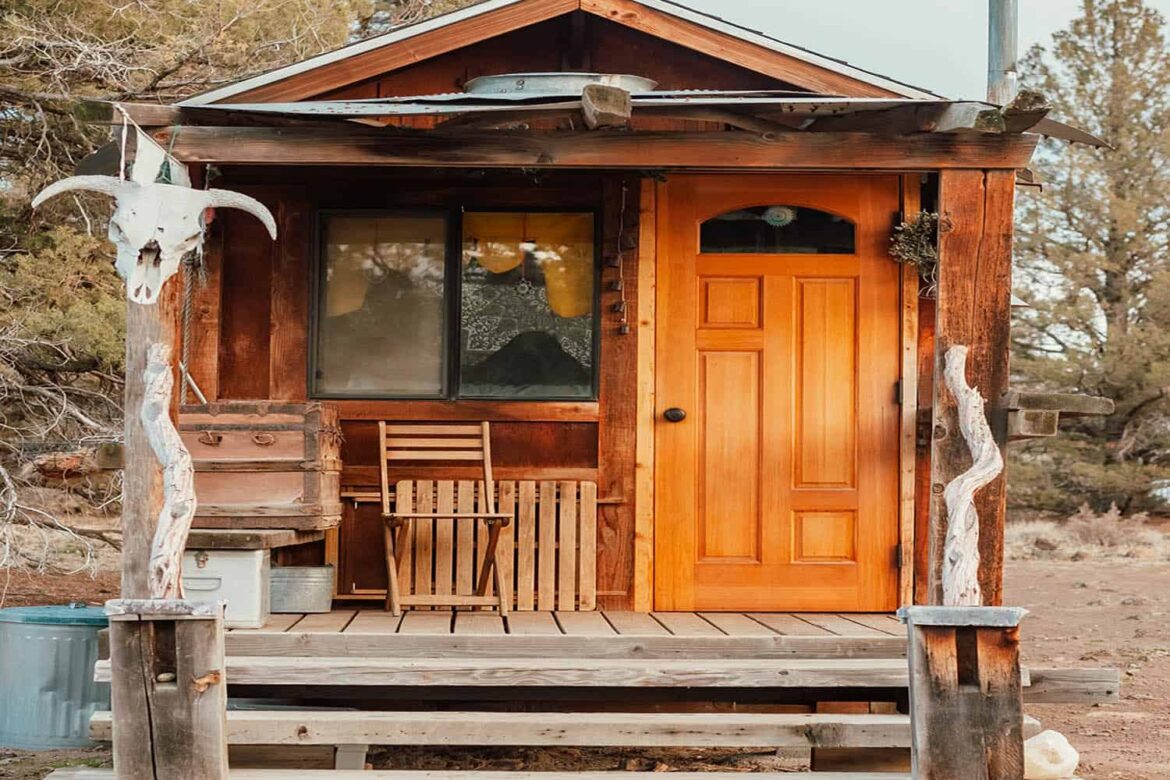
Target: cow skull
156, 225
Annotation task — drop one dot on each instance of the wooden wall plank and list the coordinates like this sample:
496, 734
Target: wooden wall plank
246, 305
587, 557
546, 550
974, 309
646, 417
911, 206
203, 362
617, 445
289, 331
526, 542
567, 546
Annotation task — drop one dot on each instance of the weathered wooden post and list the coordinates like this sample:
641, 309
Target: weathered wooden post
966, 711
168, 689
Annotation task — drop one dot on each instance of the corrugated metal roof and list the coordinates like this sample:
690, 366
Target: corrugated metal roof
675, 9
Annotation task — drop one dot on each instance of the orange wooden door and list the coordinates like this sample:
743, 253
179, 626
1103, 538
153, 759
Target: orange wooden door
779, 339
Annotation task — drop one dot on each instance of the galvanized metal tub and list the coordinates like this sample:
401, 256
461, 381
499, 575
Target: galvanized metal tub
554, 83
47, 692
301, 589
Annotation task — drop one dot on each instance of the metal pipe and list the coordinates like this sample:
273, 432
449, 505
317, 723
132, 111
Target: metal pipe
1002, 51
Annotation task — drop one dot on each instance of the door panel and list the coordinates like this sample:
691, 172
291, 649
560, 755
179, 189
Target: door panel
778, 490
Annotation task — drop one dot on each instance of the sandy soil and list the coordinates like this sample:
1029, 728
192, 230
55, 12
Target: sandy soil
1111, 612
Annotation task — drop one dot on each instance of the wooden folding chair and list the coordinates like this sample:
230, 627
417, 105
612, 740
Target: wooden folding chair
431, 442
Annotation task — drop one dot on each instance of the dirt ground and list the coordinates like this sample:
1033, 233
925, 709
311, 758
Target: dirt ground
1095, 612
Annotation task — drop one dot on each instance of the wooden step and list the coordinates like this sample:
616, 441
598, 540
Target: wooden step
563, 673
375, 638
577, 729
86, 773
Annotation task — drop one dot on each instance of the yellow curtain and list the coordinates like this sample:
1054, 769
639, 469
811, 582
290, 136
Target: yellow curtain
493, 240
564, 249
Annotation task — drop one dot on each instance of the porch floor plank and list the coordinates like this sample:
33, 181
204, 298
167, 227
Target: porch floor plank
416, 622
789, 625
374, 621
737, 624
839, 624
584, 624
89, 773
326, 622
532, 624
479, 623
878, 622
686, 624
635, 624
277, 624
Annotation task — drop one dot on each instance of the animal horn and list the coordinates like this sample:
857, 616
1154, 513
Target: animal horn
237, 200
108, 185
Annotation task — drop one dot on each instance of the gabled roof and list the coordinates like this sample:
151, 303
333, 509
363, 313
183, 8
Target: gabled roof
665, 19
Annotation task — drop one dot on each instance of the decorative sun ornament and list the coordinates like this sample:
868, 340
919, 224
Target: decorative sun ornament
779, 216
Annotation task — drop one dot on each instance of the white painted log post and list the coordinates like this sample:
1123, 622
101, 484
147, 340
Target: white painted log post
178, 476
960, 570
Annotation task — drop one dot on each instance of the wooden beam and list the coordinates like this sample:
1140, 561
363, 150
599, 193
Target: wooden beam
974, 310
646, 418
86, 773
732, 49
911, 193
609, 729
504, 149
410, 51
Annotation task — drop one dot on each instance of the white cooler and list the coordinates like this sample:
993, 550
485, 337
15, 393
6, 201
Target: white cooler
239, 577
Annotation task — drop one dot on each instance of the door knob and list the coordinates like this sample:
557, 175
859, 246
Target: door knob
674, 414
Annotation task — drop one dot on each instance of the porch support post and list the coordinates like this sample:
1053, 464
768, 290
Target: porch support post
966, 706
168, 690
973, 309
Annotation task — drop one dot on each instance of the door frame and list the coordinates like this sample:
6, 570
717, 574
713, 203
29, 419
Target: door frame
654, 218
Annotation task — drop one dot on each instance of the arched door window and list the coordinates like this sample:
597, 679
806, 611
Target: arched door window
777, 229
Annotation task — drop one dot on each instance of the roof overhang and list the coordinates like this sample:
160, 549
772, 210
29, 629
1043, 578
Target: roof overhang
663, 18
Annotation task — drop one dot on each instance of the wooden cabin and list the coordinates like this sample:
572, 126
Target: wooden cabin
670, 293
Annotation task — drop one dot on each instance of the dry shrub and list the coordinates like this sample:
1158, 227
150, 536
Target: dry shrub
1087, 535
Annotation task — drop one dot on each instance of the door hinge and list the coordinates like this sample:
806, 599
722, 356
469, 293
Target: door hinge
898, 393
898, 555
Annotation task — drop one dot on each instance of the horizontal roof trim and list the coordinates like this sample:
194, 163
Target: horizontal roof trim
676, 10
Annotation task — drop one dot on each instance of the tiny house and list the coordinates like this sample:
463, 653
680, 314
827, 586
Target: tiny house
624, 272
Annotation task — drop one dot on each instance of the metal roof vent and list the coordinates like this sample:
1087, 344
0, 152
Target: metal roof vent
554, 83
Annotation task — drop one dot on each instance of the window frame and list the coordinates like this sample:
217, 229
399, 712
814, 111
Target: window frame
452, 301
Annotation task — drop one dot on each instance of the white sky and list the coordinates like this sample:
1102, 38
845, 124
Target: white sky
937, 44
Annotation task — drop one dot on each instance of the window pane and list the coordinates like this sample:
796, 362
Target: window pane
380, 328
777, 230
527, 318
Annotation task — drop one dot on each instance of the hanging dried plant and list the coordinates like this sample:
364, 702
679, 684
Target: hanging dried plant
915, 242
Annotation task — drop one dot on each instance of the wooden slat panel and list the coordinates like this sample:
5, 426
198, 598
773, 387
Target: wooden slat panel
789, 625
478, 623
526, 547
481, 537
424, 501
404, 498
686, 624
433, 430
529, 623
409, 442
444, 539
635, 624
86, 773
325, 622
546, 547
506, 503
465, 544
434, 455
736, 624
426, 623
567, 547
587, 555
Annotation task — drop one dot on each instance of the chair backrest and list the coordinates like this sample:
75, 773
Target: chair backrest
436, 442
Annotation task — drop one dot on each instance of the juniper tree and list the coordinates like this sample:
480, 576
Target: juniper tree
1092, 261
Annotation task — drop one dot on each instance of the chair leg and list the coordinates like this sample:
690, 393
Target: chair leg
488, 570
393, 597
502, 592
